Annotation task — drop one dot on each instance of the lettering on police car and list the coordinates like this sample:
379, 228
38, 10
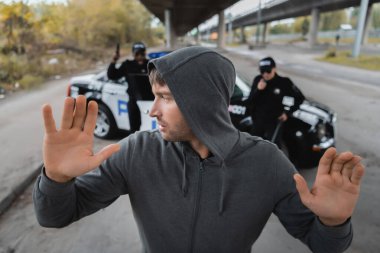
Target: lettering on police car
154, 124
122, 107
237, 109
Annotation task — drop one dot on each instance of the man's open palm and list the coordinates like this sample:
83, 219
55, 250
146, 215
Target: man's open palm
336, 188
67, 152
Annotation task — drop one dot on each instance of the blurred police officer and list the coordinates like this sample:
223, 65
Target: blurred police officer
131, 70
273, 99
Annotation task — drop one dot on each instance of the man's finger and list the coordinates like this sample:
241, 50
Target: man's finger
339, 161
357, 174
303, 190
68, 111
349, 166
92, 113
79, 112
325, 162
49, 121
103, 154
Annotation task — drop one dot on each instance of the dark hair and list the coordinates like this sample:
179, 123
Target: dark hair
155, 77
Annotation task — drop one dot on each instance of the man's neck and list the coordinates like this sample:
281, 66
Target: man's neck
200, 149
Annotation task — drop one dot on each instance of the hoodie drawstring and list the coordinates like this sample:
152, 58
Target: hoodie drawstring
184, 180
223, 190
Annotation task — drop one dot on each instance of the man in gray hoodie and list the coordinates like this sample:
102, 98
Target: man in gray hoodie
197, 184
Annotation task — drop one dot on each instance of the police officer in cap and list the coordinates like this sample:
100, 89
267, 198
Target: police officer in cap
272, 100
134, 71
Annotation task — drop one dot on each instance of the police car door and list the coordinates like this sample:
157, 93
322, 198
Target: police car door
115, 96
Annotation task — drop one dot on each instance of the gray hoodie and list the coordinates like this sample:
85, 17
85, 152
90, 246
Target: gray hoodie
182, 203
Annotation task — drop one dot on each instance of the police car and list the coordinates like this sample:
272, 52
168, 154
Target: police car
307, 133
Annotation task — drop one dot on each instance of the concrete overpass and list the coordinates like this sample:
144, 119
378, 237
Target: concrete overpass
293, 9
181, 16
282, 9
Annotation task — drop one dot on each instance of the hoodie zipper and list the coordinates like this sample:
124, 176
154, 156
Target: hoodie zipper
196, 207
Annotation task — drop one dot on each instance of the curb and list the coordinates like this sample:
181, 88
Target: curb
6, 202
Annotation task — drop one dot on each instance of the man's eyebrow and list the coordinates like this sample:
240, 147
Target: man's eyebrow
166, 93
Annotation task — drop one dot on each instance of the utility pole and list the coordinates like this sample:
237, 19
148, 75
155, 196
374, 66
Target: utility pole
168, 27
229, 16
258, 24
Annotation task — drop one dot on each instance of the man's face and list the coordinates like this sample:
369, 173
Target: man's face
140, 56
268, 74
171, 122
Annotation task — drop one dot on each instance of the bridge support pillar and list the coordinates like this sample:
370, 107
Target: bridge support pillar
171, 37
243, 39
197, 36
265, 33
221, 30
313, 31
367, 24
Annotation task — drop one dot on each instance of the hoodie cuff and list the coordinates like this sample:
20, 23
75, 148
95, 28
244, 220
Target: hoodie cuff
340, 231
54, 189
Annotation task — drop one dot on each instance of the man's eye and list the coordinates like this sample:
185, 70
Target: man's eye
165, 98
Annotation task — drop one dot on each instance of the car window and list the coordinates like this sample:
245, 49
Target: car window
119, 81
238, 93
103, 78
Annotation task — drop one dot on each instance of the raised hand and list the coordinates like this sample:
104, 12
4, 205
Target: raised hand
262, 84
67, 152
336, 188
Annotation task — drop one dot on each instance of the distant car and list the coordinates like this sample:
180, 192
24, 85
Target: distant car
307, 133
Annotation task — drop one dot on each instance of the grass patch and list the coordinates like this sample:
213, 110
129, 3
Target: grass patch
27, 72
344, 58
29, 81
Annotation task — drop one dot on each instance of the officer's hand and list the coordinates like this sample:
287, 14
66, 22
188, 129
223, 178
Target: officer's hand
115, 57
283, 117
261, 85
336, 188
67, 152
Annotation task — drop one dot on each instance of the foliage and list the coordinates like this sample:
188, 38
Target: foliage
29, 81
332, 20
83, 30
301, 25
363, 61
280, 29
376, 16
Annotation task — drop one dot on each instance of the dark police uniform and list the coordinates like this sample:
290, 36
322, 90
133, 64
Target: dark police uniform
279, 96
138, 87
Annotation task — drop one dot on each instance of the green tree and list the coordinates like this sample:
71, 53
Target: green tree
280, 29
301, 25
332, 20
354, 17
376, 16
17, 22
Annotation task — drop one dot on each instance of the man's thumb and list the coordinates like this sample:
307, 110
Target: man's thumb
103, 154
302, 188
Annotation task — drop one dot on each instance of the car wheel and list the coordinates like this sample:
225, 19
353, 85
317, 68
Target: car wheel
105, 123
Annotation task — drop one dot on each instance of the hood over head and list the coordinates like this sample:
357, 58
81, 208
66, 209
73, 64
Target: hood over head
202, 82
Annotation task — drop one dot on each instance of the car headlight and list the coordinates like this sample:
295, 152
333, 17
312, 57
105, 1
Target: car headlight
321, 131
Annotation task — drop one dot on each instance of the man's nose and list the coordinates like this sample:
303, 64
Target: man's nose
153, 112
